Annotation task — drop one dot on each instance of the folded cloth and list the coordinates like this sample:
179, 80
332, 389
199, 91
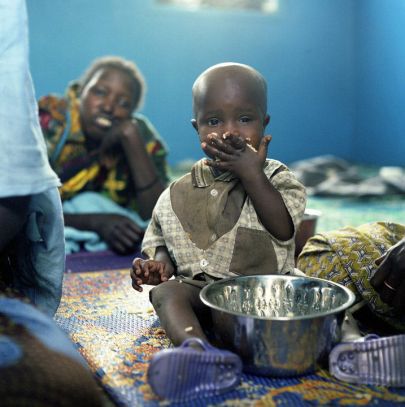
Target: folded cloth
93, 202
331, 176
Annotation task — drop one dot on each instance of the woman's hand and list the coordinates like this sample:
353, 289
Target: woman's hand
112, 143
389, 278
150, 272
120, 233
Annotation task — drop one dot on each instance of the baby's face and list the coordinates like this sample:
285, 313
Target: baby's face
230, 104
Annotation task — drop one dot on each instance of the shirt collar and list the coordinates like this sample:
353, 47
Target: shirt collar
203, 175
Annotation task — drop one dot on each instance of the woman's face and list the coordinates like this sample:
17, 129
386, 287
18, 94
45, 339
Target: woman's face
107, 100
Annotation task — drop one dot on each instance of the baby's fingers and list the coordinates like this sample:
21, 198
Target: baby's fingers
136, 280
164, 273
263, 147
136, 285
235, 140
137, 266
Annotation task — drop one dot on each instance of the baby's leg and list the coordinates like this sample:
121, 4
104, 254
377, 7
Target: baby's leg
194, 367
177, 305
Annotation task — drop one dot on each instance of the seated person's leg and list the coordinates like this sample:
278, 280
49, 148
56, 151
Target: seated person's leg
39, 365
41, 253
13, 215
32, 255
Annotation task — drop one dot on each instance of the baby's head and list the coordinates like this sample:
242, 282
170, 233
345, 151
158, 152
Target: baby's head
230, 97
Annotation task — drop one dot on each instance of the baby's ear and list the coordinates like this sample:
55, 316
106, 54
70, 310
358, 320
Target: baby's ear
266, 120
194, 124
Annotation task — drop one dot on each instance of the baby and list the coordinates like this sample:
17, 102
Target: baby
234, 214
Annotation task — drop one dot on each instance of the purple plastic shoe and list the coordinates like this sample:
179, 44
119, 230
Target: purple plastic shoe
377, 361
184, 373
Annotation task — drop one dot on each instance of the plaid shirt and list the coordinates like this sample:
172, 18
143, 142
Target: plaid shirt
210, 226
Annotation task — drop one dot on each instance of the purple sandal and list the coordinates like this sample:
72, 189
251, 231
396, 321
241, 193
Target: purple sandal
184, 373
374, 360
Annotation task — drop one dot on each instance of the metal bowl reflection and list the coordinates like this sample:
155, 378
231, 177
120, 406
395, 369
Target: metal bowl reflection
279, 325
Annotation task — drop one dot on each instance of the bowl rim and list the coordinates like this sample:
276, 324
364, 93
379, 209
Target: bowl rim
343, 307
311, 214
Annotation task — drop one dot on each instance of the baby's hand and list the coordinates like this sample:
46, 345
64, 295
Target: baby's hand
236, 141
150, 272
235, 153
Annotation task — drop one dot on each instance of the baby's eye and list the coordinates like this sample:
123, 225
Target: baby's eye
245, 119
213, 122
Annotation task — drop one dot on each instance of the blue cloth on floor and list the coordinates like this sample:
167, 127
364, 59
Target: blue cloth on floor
93, 202
38, 324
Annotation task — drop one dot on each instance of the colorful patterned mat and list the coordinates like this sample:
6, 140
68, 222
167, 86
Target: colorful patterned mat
117, 331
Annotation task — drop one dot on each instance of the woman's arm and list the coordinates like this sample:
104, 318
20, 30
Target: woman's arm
389, 278
147, 182
119, 232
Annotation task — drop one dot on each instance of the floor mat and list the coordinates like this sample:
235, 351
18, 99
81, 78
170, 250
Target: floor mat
102, 260
117, 331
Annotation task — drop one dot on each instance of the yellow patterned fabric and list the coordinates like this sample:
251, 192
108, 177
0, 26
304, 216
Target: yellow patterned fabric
347, 256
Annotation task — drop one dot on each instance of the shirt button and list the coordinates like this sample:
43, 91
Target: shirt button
203, 263
213, 237
214, 192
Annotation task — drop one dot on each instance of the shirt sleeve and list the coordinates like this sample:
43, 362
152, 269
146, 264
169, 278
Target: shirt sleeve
291, 190
153, 237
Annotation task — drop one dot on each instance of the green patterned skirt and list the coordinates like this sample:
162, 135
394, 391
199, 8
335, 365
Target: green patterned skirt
347, 256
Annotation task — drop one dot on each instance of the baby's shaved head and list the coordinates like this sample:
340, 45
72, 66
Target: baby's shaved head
225, 71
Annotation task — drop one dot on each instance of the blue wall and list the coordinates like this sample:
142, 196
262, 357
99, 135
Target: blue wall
380, 81
308, 51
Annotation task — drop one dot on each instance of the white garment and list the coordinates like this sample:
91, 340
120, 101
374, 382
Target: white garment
24, 166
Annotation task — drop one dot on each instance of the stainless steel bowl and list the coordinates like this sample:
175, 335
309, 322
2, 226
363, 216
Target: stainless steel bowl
279, 325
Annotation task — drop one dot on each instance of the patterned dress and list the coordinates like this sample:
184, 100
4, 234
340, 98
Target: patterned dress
347, 256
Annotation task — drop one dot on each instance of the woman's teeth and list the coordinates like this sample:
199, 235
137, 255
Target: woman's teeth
103, 122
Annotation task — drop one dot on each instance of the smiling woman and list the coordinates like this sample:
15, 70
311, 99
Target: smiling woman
111, 161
